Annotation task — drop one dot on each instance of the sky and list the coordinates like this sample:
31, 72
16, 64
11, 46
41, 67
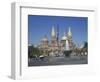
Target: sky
39, 26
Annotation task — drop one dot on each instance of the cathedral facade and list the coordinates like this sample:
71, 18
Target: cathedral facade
56, 46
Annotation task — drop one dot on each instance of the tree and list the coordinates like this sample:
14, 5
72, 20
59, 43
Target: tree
33, 52
30, 51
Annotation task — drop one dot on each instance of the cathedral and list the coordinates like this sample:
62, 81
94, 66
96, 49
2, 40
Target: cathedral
56, 46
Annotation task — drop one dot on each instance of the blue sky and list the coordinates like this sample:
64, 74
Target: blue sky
38, 26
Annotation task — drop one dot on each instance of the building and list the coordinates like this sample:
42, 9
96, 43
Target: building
63, 41
70, 39
45, 42
55, 45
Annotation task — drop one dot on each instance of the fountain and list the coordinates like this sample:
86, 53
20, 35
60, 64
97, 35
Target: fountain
67, 50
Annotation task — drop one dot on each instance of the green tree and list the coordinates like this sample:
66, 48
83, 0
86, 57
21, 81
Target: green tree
33, 52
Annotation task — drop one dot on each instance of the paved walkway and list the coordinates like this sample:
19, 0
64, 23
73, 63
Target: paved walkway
58, 61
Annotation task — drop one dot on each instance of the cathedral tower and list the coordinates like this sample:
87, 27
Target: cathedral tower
70, 38
54, 44
45, 42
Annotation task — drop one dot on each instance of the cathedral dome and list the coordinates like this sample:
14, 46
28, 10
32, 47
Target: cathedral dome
64, 37
45, 38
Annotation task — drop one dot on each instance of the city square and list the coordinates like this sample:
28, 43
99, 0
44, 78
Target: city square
54, 47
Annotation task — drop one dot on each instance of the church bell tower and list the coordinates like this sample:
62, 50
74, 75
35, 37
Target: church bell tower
70, 38
53, 39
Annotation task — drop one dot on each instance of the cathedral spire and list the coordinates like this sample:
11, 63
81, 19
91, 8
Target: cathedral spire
53, 33
69, 32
